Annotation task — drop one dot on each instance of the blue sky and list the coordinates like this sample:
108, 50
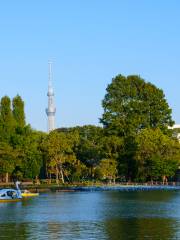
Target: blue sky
89, 42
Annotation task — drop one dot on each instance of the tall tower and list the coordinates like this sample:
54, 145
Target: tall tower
51, 110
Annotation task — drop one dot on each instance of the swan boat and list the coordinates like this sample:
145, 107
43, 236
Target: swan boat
10, 194
26, 193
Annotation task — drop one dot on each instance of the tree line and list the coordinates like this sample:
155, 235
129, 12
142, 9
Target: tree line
133, 144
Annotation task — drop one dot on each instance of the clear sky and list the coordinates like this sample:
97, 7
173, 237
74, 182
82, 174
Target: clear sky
89, 42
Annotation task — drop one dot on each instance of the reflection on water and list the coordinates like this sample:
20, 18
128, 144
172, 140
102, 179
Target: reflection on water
142, 229
93, 215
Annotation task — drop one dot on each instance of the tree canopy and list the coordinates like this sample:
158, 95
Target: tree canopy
18, 111
133, 144
157, 155
131, 104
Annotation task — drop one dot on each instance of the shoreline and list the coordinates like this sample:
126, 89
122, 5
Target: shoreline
92, 187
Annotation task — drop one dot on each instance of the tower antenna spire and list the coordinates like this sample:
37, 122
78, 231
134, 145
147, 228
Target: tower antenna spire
50, 110
50, 73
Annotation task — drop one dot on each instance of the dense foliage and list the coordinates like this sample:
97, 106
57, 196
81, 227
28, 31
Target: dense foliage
134, 143
132, 104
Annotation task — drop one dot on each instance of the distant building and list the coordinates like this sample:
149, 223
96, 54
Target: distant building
50, 110
176, 130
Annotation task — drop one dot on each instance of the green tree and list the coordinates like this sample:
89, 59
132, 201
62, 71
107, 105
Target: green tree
28, 141
8, 159
89, 151
33, 160
58, 148
7, 123
7, 129
18, 111
20, 153
107, 169
131, 104
112, 148
157, 156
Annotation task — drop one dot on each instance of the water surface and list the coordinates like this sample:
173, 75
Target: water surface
93, 215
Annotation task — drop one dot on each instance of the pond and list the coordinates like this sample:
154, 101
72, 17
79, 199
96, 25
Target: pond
93, 215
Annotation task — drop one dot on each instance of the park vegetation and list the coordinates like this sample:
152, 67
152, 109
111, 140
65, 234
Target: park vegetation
133, 144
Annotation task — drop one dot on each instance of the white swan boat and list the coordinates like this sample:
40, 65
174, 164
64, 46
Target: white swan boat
10, 194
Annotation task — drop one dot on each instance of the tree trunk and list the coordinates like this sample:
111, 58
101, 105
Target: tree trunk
7, 177
92, 172
114, 180
61, 172
57, 175
49, 178
37, 182
164, 178
62, 175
